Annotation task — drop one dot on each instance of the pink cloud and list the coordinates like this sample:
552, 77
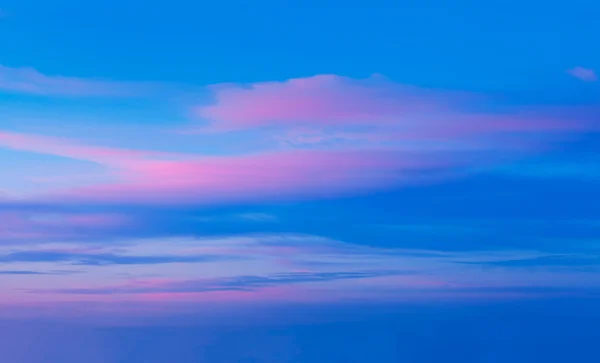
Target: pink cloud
150, 177
390, 134
329, 107
29, 80
119, 303
141, 176
584, 74
319, 100
269, 175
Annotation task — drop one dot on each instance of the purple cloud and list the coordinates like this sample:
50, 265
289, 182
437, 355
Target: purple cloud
584, 74
375, 108
31, 226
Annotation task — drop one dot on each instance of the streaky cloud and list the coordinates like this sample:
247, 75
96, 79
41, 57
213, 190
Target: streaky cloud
102, 259
31, 272
237, 283
27, 80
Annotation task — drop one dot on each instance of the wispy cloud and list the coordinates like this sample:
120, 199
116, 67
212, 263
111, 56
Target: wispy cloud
39, 226
146, 176
30, 81
233, 283
256, 264
567, 261
102, 259
584, 74
30, 272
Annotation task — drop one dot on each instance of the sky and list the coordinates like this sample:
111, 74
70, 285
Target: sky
264, 181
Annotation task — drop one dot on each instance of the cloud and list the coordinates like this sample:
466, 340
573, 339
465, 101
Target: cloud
584, 74
318, 100
67, 148
30, 81
236, 283
361, 135
102, 259
151, 177
568, 261
38, 225
263, 267
82, 220
29, 272
140, 177
332, 107
253, 177
257, 217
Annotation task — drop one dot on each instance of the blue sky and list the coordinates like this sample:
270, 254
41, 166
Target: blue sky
165, 160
